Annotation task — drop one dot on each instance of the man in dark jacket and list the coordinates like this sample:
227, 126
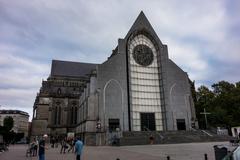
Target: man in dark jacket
41, 150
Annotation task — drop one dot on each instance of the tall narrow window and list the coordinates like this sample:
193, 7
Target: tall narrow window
59, 91
75, 117
59, 115
55, 115
72, 114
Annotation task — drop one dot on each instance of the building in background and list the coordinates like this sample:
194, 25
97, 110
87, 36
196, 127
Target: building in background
137, 88
56, 106
20, 120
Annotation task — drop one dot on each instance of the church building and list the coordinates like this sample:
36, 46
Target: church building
138, 88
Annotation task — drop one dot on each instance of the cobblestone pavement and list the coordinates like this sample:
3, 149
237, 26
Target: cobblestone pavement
187, 151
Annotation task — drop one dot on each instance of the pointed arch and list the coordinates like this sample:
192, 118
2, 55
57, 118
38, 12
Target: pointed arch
104, 100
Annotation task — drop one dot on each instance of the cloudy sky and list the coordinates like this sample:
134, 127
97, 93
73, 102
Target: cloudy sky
203, 38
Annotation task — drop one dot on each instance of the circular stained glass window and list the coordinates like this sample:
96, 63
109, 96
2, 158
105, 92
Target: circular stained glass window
143, 55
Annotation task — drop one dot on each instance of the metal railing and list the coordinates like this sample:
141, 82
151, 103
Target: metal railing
207, 133
157, 133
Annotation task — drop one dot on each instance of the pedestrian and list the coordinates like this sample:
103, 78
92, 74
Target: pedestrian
71, 145
63, 145
151, 138
35, 148
78, 148
30, 150
53, 142
42, 147
57, 141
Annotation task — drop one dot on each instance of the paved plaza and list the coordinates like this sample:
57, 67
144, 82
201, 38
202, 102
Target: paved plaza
188, 151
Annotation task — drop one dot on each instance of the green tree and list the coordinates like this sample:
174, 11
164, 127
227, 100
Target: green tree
222, 87
226, 99
238, 85
223, 102
8, 123
204, 99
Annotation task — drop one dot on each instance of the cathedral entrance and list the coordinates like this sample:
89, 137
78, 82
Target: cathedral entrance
113, 124
181, 125
147, 121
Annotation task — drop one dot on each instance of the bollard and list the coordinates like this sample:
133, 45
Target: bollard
168, 157
205, 157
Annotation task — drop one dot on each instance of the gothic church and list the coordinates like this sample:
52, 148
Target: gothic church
138, 88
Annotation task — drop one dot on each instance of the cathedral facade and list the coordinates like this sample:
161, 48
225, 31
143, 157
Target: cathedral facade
138, 88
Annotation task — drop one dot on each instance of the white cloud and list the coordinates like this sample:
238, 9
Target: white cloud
189, 59
22, 94
21, 72
20, 79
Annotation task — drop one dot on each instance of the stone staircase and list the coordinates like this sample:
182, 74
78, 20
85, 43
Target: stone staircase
170, 137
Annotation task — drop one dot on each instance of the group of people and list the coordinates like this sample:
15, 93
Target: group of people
67, 144
33, 147
73, 145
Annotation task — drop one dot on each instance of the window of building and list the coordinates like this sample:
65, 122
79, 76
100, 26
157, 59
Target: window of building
57, 114
75, 115
72, 115
59, 91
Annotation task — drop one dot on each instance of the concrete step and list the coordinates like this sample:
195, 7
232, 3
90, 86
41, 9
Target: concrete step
169, 137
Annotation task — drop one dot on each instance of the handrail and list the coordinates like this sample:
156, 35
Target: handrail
207, 133
161, 136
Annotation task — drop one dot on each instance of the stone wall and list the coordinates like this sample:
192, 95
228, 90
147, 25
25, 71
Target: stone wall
178, 96
112, 76
40, 127
42, 112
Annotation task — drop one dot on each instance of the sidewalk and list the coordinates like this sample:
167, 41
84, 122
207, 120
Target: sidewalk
187, 151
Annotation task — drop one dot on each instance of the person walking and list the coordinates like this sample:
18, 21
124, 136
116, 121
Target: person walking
35, 147
53, 142
71, 145
151, 138
63, 145
42, 147
78, 148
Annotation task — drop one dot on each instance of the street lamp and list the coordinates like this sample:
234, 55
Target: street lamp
98, 126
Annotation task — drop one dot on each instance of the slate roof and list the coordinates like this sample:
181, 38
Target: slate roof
71, 69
